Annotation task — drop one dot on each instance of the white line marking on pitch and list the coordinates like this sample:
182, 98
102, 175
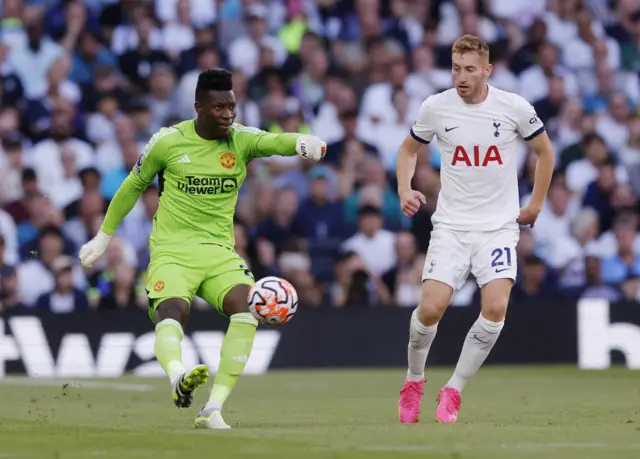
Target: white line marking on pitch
78, 384
572, 445
135, 452
514, 446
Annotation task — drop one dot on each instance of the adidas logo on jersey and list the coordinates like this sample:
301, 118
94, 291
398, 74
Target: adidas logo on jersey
184, 160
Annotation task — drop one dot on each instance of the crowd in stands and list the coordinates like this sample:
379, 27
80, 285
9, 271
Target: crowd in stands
84, 84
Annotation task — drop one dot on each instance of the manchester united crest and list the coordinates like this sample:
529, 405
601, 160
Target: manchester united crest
228, 160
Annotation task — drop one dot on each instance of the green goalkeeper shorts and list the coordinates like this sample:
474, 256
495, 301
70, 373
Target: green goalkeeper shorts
206, 270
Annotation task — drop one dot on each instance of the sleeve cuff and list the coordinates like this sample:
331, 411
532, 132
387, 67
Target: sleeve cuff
417, 138
535, 134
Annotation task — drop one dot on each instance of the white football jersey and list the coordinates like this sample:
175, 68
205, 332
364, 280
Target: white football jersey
478, 149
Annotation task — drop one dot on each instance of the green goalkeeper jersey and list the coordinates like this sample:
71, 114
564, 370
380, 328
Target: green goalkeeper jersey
198, 182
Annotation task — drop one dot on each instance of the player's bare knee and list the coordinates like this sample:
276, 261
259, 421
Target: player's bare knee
173, 308
494, 307
429, 313
495, 310
434, 300
495, 299
235, 301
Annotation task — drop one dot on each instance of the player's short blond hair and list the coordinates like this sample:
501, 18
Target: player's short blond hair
471, 44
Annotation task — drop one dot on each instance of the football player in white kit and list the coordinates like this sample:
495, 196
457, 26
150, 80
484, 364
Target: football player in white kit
477, 218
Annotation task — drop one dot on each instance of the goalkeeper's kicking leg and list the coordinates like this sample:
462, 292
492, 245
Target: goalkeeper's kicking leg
234, 355
171, 315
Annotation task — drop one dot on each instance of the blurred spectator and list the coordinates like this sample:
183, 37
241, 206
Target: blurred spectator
199, 13
356, 285
594, 286
161, 97
552, 230
204, 38
89, 54
318, 217
374, 191
549, 107
9, 237
64, 298
375, 245
136, 30
19, 209
390, 134
534, 81
337, 150
206, 58
137, 60
569, 124
599, 195
575, 151
581, 51
295, 265
527, 174
536, 281
585, 229
177, 32
612, 125
624, 267
36, 274
244, 51
629, 156
32, 57
320, 220
124, 292
247, 111
59, 83
79, 229
584, 171
101, 276
46, 156
309, 293
11, 164
107, 82
280, 228
525, 247
309, 85
101, 124
3, 260
404, 281
11, 87
259, 254
9, 297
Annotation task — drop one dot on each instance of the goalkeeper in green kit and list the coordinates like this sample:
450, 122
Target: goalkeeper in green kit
201, 164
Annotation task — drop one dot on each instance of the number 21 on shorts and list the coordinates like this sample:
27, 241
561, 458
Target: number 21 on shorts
498, 263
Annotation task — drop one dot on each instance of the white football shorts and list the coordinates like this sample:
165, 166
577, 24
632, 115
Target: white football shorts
488, 255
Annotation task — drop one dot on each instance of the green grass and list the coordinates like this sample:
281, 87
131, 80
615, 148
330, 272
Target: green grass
509, 413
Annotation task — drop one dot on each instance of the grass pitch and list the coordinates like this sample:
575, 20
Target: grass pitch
530, 412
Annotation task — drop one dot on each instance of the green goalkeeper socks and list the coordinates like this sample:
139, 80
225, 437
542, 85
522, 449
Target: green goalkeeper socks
167, 347
234, 355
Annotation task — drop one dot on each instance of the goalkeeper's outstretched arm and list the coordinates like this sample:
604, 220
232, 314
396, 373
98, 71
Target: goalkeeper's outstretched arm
289, 144
149, 164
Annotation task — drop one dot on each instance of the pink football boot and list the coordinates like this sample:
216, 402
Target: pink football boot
410, 398
448, 405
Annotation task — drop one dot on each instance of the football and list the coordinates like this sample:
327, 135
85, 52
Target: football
273, 301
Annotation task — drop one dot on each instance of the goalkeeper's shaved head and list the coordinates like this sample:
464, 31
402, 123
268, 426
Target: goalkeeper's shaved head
215, 103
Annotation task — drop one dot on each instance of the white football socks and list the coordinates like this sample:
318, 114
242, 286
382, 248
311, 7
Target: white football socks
420, 339
477, 345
